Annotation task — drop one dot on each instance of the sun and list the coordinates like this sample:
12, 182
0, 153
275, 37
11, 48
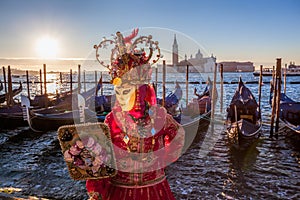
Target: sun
47, 47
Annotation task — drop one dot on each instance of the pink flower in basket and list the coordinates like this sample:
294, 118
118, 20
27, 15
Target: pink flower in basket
87, 154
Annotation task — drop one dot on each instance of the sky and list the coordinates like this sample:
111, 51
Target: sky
232, 30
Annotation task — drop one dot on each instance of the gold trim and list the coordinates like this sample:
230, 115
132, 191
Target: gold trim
140, 184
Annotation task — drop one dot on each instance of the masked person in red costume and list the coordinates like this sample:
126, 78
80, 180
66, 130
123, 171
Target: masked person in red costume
145, 138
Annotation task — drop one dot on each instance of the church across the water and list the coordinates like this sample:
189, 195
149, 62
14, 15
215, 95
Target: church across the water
198, 63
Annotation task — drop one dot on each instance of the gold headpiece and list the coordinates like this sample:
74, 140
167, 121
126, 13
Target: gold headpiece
127, 61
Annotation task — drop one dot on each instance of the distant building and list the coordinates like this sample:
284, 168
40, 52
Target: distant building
237, 66
197, 63
205, 64
175, 52
292, 66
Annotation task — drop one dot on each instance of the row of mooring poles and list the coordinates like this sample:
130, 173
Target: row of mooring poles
43, 80
43, 83
8, 86
276, 99
186, 83
214, 93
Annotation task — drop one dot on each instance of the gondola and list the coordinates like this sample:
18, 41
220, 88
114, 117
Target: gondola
201, 104
11, 116
195, 118
16, 91
243, 117
73, 110
51, 118
172, 102
289, 111
47, 100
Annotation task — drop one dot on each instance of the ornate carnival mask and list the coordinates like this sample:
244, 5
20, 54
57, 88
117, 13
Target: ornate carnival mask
130, 61
126, 95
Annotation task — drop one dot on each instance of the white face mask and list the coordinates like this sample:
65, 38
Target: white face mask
125, 95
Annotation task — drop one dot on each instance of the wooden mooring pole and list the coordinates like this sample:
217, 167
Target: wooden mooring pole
45, 85
285, 68
259, 89
278, 76
101, 89
41, 82
164, 84
4, 79
71, 81
96, 79
187, 86
221, 95
273, 74
45, 79
156, 75
9, 97
84, 81
213, 97
60, 77
274, 93
276, 98
27, 82
78, 79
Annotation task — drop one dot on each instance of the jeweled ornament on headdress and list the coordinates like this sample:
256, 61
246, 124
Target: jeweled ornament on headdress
128, 62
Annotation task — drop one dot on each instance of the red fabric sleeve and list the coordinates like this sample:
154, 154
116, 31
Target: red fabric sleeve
173, 140
96, 188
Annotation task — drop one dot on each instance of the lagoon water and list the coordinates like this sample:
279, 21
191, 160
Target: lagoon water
210, 169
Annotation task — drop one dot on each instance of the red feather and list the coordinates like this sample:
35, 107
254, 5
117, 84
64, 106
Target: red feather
131, 36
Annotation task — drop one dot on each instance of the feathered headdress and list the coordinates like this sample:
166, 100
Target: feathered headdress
127, 61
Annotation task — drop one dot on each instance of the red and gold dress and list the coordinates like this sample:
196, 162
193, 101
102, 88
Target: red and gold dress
143, 147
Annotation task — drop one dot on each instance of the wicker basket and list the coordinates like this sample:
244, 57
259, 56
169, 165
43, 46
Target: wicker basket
88, 151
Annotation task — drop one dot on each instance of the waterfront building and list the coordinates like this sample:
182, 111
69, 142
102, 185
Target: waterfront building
233, 66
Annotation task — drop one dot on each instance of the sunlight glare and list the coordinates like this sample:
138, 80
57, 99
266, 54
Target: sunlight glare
47, 48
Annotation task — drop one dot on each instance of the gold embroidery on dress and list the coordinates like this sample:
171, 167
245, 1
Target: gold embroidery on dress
130, 192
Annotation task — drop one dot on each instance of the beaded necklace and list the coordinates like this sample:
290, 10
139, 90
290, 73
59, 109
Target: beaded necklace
139, 128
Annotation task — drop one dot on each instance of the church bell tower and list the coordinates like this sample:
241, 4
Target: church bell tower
175, 52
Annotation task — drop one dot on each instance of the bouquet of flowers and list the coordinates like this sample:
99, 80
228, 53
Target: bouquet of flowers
87, 150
